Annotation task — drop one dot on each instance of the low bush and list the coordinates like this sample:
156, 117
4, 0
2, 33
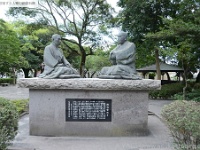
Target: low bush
197, 86
7, 80
8, 122
167, 91
182, 118
193, 95
21, 105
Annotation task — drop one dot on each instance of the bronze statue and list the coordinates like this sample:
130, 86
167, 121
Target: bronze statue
56, 65
123, 60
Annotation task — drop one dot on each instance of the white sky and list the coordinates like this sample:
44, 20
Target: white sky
4, 8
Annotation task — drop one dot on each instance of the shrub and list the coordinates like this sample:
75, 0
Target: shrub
197, 86
194, 95
167, 91
8, 122
183, 120
7, 80
21, 105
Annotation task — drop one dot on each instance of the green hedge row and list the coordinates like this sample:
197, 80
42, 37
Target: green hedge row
194, 95
167, 91
175, 91
182, 118
8, 122
7, 80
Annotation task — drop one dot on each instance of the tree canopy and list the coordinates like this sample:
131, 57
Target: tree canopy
11, 57
162, 28
181, 35
81, 20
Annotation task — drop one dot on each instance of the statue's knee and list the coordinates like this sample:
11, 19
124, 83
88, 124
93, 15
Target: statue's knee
104, 70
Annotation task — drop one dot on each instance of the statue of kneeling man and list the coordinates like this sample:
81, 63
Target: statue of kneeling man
123, 60
56, 65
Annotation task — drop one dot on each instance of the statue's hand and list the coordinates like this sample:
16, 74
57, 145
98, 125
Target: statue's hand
112, 58
59, 65
112, 55
68, 65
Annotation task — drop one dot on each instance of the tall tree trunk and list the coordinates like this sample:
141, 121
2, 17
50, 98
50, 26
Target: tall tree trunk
82, 65
184, 80
185, 87
198, 78
35, 72
14, 76
168, 77
26, 71
158, 72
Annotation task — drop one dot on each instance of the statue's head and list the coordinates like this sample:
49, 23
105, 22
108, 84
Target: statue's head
56, 39
122, 37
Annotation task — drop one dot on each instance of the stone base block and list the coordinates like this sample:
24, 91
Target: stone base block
48, 106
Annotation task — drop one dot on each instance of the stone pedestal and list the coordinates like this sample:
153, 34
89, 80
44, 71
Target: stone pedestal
128, 106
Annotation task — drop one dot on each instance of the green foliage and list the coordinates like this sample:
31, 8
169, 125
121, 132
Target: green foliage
172, 26
167, 91
182, 117
21, 105
10, 51
142, 17
8, 122
194, 95
95, 63
85, 25
181, 34
7, 80
197, 86
98, 61
33, 39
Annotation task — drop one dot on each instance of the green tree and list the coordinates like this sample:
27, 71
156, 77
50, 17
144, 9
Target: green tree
146, 16
11, 57
96, 62
33, 39
140, 18
183, 32
182, 35
80, 19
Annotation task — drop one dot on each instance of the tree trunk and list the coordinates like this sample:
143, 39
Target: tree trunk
92, 74
35, 72
26, 71
14, 76
168, 77
198, 78
82, 65
157, 64
184, 81
185, 87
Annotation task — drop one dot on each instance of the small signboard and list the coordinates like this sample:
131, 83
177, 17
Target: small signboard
88, 109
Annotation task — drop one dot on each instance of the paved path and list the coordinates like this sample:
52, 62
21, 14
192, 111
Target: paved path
158, 138
13, 92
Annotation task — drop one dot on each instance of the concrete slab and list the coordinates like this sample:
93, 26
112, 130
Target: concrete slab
158, 138
11, 92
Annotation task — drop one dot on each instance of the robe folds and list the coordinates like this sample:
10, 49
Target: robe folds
56, 66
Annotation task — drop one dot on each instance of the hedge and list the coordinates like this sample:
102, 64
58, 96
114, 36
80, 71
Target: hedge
167, 91
21, 105
183, 120
8, 122
7, 80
